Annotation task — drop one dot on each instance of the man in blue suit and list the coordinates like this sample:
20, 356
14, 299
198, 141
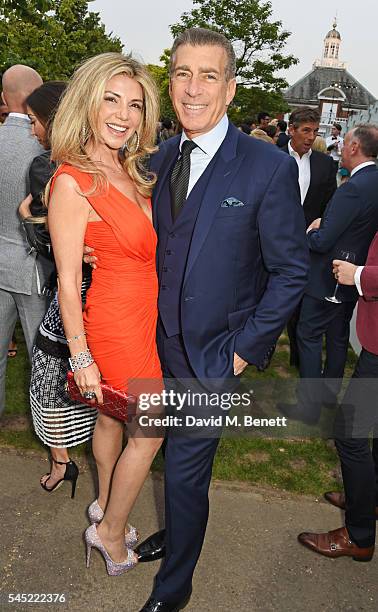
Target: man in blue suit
347, 226
232, 264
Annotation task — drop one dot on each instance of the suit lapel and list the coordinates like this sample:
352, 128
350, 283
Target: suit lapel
221, 177
163, 173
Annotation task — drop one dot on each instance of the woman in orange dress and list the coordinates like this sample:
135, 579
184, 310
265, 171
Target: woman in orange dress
102, 198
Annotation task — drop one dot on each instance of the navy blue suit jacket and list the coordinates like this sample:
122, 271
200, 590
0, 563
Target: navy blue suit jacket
248, 262
349, 223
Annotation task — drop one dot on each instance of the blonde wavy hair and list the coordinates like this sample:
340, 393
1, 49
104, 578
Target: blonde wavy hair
75, 123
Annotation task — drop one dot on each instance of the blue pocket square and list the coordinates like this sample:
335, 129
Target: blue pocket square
234, 202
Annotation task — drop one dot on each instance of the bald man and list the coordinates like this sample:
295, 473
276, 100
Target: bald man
21, 275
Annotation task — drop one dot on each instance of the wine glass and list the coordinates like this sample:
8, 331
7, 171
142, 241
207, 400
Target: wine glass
345, 256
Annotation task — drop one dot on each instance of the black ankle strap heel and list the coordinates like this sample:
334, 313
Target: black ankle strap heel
71, 474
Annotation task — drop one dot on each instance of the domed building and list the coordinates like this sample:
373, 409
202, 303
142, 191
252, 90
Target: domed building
330, 87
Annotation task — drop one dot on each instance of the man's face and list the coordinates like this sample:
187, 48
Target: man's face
349, 151
264, 122
198, 88
334, 131
303, 137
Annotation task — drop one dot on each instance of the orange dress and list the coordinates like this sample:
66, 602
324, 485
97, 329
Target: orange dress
121, 307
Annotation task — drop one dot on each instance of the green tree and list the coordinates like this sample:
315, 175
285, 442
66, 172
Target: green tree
161, 76
249, 101
52, 36
259, 42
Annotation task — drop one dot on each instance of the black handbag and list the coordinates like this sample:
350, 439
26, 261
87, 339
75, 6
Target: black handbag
38, 237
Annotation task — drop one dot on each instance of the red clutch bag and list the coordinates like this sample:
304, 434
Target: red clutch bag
117, 404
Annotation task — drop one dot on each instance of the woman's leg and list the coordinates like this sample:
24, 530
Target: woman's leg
57, 471
129, 475
107, 447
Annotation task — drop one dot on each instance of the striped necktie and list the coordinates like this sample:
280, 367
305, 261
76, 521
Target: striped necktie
180, 178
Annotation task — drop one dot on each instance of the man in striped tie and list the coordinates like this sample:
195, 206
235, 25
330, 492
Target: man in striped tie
232, 262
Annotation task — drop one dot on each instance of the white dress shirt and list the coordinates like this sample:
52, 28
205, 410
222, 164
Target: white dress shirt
304, 168
335, 153
360, 166
357, 274
207, 145
19, 115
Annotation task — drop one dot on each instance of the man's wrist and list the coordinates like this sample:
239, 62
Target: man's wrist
357, 279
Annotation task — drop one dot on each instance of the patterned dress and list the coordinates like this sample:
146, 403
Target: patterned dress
58, 421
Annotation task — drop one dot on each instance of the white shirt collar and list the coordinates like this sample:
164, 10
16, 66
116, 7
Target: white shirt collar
360, 166
293, 153
19, 115
212, 140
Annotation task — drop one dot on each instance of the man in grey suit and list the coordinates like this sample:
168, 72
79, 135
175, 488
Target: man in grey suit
21, 277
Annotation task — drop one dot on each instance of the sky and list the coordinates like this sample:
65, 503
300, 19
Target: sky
143, 28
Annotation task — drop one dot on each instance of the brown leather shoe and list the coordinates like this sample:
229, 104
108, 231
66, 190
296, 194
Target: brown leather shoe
335, 544
335, 498
338, 499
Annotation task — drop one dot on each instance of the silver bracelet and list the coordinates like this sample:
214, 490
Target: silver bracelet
81, 360
76, 337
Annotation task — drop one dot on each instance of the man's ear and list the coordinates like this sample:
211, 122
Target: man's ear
291, 130
231, 90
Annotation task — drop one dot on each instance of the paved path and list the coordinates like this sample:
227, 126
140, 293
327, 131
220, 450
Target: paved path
250, 562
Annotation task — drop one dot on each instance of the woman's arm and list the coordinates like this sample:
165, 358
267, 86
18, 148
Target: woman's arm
68, 217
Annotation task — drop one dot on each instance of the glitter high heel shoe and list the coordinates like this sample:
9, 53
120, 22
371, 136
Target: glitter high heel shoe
113, 568
96, 514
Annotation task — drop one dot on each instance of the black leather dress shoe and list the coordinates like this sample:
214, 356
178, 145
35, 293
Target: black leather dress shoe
153, 605
152, 549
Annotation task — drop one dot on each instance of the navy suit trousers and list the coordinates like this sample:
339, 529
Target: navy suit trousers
188, 468
319, 318
357, 418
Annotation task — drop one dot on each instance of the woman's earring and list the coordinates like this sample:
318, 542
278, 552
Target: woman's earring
84, 135
135, 148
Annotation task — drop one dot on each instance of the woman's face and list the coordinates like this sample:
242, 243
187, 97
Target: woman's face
38, 129
121, 111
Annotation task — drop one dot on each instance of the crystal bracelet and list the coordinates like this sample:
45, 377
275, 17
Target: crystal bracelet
81, 360
76, 337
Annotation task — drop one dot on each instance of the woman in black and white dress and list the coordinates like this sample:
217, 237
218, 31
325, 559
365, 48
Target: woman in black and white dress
58, 421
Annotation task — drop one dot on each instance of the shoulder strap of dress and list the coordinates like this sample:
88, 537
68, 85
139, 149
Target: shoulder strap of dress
83, 180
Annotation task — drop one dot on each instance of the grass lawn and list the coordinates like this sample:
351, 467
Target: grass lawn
302, 466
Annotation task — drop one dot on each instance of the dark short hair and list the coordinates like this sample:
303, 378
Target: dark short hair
271, 130
167, 123
199, 37
246, 128
304, 115
337, 126
45, 99
367, 136
282, 125
262, 116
